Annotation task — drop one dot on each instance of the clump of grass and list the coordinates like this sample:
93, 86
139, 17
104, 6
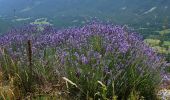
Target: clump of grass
36, 79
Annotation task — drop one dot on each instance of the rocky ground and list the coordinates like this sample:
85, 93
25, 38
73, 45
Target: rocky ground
164, 91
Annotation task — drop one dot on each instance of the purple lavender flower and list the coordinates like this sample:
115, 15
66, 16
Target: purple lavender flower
84, 59
63, 57
77, 55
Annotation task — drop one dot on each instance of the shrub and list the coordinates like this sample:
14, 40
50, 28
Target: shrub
103, 60
110, 54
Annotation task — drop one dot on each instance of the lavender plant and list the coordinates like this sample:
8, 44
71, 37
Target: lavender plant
95, 52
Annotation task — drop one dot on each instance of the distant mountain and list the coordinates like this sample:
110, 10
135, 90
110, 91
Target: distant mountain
55, 7
119, 11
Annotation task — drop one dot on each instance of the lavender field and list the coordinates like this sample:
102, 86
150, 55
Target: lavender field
84, 50
95, 61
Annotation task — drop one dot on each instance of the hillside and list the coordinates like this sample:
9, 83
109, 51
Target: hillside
147, 13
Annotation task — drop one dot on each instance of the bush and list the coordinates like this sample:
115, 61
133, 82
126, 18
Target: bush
103, 60
113, 56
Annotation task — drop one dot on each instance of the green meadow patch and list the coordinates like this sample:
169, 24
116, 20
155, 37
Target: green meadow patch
166, 43
163, 32
41, 21
155, 44
152, 42
161, 49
